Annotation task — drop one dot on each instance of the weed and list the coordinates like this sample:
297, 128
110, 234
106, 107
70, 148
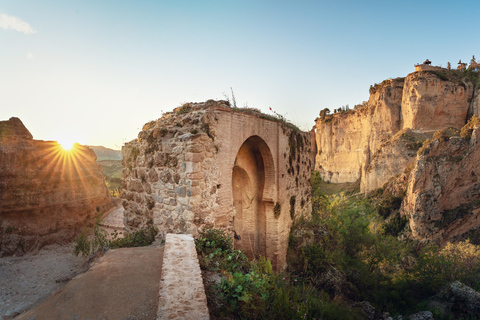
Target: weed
185, 108
292, 207
467, 129
277, 210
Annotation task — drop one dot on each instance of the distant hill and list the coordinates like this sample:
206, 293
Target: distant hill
106, 153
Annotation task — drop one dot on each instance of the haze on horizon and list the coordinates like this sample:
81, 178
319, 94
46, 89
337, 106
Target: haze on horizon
95, 72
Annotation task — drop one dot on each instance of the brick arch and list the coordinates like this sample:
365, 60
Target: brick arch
253, 187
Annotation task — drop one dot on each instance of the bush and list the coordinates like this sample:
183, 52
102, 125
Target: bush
425, 147
139, 238
216, 253
185, 108
436, 268
467, 129
89, 245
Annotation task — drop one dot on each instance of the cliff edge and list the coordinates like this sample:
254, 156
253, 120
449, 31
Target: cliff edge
46, 194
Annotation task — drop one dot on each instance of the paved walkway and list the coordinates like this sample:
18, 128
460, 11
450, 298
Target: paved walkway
124, 284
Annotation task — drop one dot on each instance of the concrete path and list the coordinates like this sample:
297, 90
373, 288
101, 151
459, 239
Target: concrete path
114, 218
124, 284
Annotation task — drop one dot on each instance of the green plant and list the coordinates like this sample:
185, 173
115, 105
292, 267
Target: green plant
292, 207
425, 147
82, 245
139, 238
277, 210
163, 131
185, 108
467, 129
438, 267
98, 240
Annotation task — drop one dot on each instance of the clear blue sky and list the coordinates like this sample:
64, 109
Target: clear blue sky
96, 71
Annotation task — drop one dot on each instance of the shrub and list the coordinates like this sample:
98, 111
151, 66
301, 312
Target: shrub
395, 225
185, 108
467, 129
460, 261
425, 147
89, 245
139, 238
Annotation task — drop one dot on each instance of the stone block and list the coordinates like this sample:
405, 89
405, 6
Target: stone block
194, 157
182, 191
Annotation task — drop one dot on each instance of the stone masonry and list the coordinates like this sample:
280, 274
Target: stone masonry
182, 295
209, 165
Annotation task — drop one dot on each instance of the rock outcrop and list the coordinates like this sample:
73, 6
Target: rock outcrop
350, 143
46, 194
436, 100
207, 165
442, 202
346, 141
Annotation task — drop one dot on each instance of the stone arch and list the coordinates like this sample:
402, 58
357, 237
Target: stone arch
253, 187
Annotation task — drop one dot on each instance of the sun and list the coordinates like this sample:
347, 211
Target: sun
67, 144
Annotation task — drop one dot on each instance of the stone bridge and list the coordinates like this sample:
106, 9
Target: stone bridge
208, 165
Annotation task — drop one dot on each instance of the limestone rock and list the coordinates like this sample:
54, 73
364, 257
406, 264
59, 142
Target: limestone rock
356, 144
431, 102
347, 140
422, 315
443, 194
46, 195
465, 300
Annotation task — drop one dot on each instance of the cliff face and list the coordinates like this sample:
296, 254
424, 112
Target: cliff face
46, 194
433, 101
349, 144
346, 141
443, 194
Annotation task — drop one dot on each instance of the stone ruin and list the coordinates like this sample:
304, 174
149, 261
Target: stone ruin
209, 165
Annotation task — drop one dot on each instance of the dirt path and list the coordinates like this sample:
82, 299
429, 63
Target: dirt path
124, 284
28, 280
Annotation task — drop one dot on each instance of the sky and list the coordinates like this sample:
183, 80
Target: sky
95, 72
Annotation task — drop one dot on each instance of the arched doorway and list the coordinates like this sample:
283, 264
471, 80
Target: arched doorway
253, 189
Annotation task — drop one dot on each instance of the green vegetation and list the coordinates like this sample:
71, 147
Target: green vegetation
425, 147
467, 129
185, 108
90, 242
445, 134
112, 171
249, 289
348, 251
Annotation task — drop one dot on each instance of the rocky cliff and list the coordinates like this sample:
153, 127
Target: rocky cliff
442, 202
346, 141
362, 143
46, 194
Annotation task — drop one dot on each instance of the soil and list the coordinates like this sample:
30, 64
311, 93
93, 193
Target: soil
29, 280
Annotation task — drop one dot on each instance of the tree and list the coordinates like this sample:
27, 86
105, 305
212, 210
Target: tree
473, 64
324, 112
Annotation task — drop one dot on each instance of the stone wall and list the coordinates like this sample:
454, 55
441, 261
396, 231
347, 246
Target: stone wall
46, 194
207, 165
